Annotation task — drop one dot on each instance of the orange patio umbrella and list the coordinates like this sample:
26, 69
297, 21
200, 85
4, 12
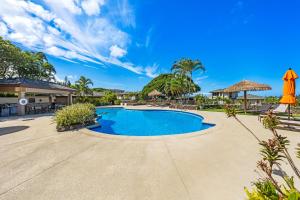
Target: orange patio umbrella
289, 88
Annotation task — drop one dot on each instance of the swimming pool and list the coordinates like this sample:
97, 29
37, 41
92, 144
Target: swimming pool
121, 121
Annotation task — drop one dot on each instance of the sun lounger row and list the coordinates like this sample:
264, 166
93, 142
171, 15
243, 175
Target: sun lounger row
285, 122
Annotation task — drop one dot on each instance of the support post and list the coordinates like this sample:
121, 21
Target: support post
21, 108
289, 110
245, 101
70, 100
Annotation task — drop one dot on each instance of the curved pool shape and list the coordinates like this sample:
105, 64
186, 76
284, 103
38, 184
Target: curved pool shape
121, 121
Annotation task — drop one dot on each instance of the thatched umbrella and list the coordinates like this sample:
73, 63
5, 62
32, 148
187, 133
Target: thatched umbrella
154, 93
247, 86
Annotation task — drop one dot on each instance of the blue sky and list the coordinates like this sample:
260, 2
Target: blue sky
125, 43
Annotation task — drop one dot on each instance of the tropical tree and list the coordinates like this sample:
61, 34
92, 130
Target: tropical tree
272, 99
82, 86
66, 82
10, 57
186, 68
46, 69
172, 85
15, 63
201, 99
110, 97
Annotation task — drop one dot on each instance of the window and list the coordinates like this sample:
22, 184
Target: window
31, 100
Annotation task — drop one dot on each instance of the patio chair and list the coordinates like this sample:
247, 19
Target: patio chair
282, 108
261, 109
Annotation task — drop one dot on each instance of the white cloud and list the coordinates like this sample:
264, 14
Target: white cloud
151, 71
53, 30
72, 77
37, 10
148, 37
55, 51
57, 30
25, 29
58, 78
3, 29
124, 12
117, 52
71, 6
92, 7
200, 79
89, 66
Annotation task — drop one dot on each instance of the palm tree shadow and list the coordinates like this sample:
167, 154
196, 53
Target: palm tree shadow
12, 129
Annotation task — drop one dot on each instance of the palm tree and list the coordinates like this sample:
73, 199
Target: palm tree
186, 67
82, 86
173, 87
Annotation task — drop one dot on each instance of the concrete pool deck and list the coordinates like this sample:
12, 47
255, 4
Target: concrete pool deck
39, 163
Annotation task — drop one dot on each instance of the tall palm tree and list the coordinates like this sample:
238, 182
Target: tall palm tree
186, 67
82, 86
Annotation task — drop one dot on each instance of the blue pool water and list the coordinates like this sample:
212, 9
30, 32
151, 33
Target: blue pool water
120, 121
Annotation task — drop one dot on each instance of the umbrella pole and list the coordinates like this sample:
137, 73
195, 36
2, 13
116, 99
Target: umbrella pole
289, 108
245, 101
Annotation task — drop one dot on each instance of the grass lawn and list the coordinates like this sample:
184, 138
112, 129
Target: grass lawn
214, 109
239, 112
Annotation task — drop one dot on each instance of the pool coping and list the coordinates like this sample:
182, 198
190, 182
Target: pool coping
216, 126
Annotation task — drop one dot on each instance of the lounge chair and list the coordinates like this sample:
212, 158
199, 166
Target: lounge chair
262, 109
282, 108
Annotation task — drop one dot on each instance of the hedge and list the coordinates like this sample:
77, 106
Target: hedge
75, 116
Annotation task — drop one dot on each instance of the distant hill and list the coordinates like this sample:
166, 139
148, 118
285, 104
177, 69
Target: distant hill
104, 90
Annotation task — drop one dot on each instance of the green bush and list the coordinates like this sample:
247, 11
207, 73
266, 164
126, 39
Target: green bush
8, 95
75, 115
117, 102
141, 102
100, 101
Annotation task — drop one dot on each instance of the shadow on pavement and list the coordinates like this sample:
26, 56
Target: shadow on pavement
12, 129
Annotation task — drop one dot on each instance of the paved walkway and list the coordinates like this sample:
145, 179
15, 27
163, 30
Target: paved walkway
39, 163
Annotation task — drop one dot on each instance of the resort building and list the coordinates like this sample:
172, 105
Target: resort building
92, 95
117, 91
252, 100
221, 93
127, 96
41, 96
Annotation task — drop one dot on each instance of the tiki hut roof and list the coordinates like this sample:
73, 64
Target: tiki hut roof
247, 86
154, 93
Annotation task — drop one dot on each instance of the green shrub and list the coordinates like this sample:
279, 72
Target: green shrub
117, 102
141, 102
99, 101
75, 115
8, 95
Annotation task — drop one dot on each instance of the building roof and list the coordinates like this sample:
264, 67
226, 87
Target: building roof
154, 93
29, 83
251, 97
247, 86
117, 91
218, 90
